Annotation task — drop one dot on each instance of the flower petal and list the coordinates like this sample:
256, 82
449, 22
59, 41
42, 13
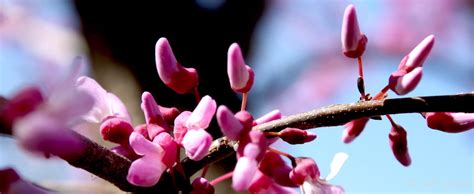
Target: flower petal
418, 55
402, 84
145, 171
202, 114
336, 164
230, 126
197, 143
353, 41
244, 169
143, 146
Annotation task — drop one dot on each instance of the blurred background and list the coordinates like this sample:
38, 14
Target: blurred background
294, 48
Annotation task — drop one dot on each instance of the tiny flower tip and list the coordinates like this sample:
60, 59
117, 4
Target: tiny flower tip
402, 83
353, 41
181, 80
230, 126
418, 55
240, 75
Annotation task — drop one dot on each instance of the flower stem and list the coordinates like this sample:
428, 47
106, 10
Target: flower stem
360, 80
244, 101
221, 178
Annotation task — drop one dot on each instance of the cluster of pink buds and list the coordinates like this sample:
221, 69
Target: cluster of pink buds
401, 82
42, 120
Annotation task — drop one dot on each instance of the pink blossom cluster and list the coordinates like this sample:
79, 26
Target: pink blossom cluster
42, 118
401, 82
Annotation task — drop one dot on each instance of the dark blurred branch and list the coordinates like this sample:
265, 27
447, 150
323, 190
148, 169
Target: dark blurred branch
114, 168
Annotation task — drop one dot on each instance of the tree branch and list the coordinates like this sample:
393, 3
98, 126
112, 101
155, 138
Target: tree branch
114, 168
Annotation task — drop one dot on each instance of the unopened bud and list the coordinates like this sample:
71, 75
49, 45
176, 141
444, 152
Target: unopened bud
296, 136
399, 145
116, 130
241, 76
353, 41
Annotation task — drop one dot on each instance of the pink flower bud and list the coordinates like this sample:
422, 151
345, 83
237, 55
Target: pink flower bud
202, 186
244, 170
353, 129
152, 111
230, 126
116, 130
240, 75
398, 143
147, 170
22, 103
141, 129
271, 116
296, 136
181, 80
246, 119
196, 142
169, 146
353, 41
402, 82
169, 114
180, 128
450, 122
274, 166
418, 55
202, 114
306, 168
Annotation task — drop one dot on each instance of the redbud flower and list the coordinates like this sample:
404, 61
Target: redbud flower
306, 174
197, 143
116, 130
181, 80
450, 122
169, 146
409, 72
169, 114
271, 116
240, 75
275, 167
230, 126
202, 186
398, 143
180, 129
353, 129
243, 171
147, 170
296, 136
353, 41
262, 183
202, 114
154, 120
22, 103
106, 104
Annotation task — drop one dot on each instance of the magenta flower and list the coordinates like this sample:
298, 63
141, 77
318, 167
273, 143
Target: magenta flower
230, 126
196, 139
398, 142
23, 102
169, 146
409, 72
241, 76
275, 167
245, 168
353, 129
307, 171
181, 80
196, 142
202, 114
271, 116
296, 136
147, 170
262, 183
180, 129
153, 117
105, 104
202, 186
353, 41
450, 122
116, 130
